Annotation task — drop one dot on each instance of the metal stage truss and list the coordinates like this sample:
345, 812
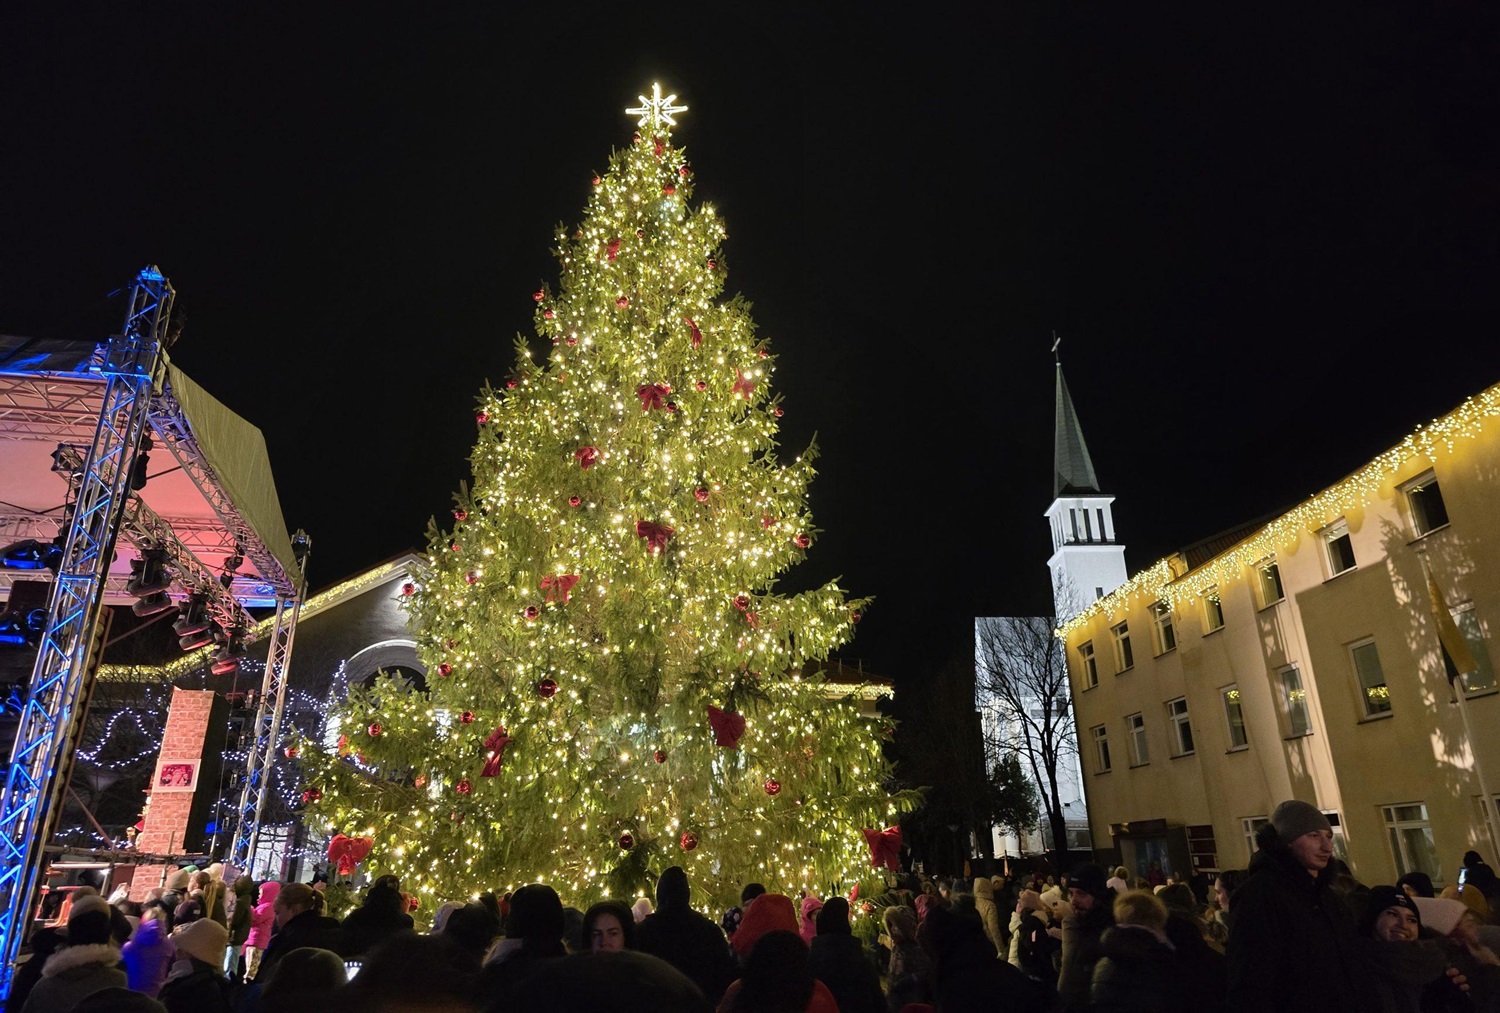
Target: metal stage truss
95, 419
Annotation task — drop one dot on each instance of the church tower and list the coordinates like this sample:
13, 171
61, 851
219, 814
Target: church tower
1088, 562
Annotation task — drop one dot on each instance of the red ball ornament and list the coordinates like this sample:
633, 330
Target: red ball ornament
688, 841
539, 295
450, 644
453, 546
622, 302
574, 501
510, 385
471, 577
671, 406
316, 794
531, 612
713, 264
855, 618
742, 602
546, 689
464, 787
408, 589
802, 541
660, 756
445, 669
701, 385
773, 787
460, 514
684, 171
467, 717
456, 816
640, 233
291, 752
548, 315
596, 180
701, 494
668, 190
375, 729
627, 841
420, 782
306, 797
570, 341
635, 138
482, 417
779, 413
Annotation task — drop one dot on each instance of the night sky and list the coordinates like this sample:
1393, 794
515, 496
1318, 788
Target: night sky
1269, 240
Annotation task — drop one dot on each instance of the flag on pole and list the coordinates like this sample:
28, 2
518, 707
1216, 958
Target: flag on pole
1457, 658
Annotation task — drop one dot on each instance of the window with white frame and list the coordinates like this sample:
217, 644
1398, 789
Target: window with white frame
1213, 610
1234, 714
1482, 678
1166, 636
1135, 730
1182, 728
1340, 844
1412, 843
1338, 548
1294, 701
1268, 589
1088, 664
1124, 656
1250, 825
1424, 500
1374, 694
1101, 748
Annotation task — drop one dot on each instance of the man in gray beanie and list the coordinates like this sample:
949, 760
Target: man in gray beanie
1292, 942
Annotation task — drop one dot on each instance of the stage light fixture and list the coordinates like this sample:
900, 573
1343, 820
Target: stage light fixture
22, 627
194, 619
142, 461
151, 604
31, 554
148, 574
227, 657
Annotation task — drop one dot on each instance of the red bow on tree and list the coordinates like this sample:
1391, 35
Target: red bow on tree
559, 586
656, 535
652, 395
728, 726
885, 848
693, 328
496, 744
586, 456
743, 385
348, 852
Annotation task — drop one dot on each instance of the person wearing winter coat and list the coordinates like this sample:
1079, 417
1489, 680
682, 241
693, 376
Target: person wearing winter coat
88, 963
1291, 938
807, 924
777, 979
691, 942
1138, 972
776, 915
839, 961
298, 924
968, 976
1453, 925
989, 915
909, 973
381, 916
197, 983
262, 920
241, 911
1091, 902
149, 953
1406, 973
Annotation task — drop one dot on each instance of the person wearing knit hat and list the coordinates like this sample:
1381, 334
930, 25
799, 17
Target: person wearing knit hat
1390, 915
88, 963
1082, 934
807, 923
1405, 971
1292, 939
1440, 914
197, 981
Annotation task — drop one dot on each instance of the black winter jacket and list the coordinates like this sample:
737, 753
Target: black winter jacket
1291, 940
839, 961
687, 940
1138, 974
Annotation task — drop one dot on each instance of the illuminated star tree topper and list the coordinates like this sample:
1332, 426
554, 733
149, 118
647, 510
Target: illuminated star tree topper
656, 110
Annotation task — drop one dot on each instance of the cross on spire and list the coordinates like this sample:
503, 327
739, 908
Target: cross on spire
655, 111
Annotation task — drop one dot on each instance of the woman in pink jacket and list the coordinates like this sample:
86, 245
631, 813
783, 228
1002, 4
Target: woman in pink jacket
260, 927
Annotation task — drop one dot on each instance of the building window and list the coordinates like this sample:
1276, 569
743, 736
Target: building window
1090, 664
1425, 500
1182, 728
1268, 583
1124, 656
1166, 636
1294, 701
1213, 610
1235, 715
1373, 692
1340, 845
1340, 550
1412, 844
1135, 728
1483, 676
1251, 824
1101, 748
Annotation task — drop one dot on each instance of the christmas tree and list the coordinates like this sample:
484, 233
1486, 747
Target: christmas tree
614, 685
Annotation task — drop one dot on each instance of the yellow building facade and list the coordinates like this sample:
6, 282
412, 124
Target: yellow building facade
1299, 658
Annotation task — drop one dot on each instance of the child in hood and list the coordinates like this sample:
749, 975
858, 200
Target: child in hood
261, 921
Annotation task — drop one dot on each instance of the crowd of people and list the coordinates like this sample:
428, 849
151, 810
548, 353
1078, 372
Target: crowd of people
1295, 931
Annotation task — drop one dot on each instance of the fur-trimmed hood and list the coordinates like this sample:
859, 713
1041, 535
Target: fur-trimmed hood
75, 958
